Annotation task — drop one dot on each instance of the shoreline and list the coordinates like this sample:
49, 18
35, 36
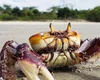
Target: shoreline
46, 22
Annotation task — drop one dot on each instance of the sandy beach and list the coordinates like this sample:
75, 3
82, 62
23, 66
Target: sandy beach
21, 31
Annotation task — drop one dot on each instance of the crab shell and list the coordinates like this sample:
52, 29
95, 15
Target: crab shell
56, 42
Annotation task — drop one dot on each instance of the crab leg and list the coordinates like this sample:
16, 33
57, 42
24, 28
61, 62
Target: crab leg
44, 71
29, 69
0, 71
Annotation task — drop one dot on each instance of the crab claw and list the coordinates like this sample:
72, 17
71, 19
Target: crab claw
89, 50
8, 60
31, 64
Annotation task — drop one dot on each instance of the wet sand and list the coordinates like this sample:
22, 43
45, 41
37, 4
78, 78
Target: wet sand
21, 31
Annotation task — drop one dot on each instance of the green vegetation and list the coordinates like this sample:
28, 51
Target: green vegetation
53, 13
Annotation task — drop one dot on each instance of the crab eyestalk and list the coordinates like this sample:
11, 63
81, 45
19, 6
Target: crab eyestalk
51, 28
68, 28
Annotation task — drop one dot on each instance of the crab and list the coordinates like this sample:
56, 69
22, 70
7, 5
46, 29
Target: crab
64, 47
49, 49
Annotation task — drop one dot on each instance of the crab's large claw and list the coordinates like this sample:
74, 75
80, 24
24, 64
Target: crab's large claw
7, 60
28, 61
31, 64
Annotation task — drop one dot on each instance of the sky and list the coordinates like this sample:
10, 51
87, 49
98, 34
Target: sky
43, 5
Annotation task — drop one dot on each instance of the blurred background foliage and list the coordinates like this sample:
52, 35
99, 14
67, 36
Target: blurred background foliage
53, 13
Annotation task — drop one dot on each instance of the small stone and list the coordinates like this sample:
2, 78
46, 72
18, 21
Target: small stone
1, 78
24, 78
90, 69
78, 71
52, 73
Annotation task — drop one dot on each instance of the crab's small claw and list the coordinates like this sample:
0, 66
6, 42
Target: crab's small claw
89, 50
